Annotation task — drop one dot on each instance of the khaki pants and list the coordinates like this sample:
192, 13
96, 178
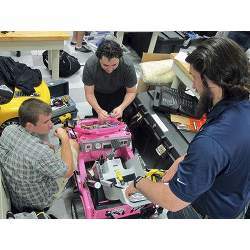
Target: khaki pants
61, 182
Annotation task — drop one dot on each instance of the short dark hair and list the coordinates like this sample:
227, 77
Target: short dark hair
224, 62
109, 49
30, 110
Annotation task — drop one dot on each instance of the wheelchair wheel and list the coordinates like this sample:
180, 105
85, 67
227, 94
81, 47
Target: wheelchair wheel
147, 211
7, 123
77, 210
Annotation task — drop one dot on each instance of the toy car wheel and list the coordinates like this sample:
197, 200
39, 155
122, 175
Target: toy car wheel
77, 210
9, 122
147, 211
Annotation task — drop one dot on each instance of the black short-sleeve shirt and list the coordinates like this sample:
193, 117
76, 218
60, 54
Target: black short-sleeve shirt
123, 76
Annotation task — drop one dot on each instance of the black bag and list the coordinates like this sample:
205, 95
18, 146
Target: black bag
19, 75
68, 64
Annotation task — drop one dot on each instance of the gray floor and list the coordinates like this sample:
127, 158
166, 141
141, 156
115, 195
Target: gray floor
62, 208
34, 60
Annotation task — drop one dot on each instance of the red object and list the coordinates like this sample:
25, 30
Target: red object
196, 124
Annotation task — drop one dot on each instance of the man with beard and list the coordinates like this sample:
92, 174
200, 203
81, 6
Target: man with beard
212, 179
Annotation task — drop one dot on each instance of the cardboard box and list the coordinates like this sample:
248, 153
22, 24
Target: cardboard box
147, 57
188, 123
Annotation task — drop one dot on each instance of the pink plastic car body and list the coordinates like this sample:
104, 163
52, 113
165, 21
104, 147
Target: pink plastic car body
94, 143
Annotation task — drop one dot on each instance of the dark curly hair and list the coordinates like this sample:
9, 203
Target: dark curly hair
224, 62
109, 49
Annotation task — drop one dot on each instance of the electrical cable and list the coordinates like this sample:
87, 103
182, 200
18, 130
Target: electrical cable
151, 96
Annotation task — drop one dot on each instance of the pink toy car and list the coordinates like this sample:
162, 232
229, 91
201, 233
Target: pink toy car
106, 166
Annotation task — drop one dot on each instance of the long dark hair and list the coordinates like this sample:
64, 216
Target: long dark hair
224, 62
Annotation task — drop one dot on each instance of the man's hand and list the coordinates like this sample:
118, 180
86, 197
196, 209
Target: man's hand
61, 134
130, 190
103, 115
117, 112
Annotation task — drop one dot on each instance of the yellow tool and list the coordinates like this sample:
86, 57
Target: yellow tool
62, 119
155, 174
65, 117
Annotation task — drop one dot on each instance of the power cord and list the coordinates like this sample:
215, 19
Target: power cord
151, 96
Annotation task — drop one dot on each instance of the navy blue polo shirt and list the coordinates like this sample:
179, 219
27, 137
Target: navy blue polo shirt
215, 174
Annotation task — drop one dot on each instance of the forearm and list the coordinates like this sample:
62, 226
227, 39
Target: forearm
93, 102
128, 98
160, 193
66, 155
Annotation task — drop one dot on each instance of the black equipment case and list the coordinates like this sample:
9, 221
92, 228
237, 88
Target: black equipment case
61, 102
155, 138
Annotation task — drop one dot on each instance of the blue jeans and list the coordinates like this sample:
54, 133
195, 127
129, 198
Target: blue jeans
185, 213
189, 213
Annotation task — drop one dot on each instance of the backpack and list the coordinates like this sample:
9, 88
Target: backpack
19, 75
68, 64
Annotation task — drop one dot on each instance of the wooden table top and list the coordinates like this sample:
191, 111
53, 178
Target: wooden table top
184, 67
34, 36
